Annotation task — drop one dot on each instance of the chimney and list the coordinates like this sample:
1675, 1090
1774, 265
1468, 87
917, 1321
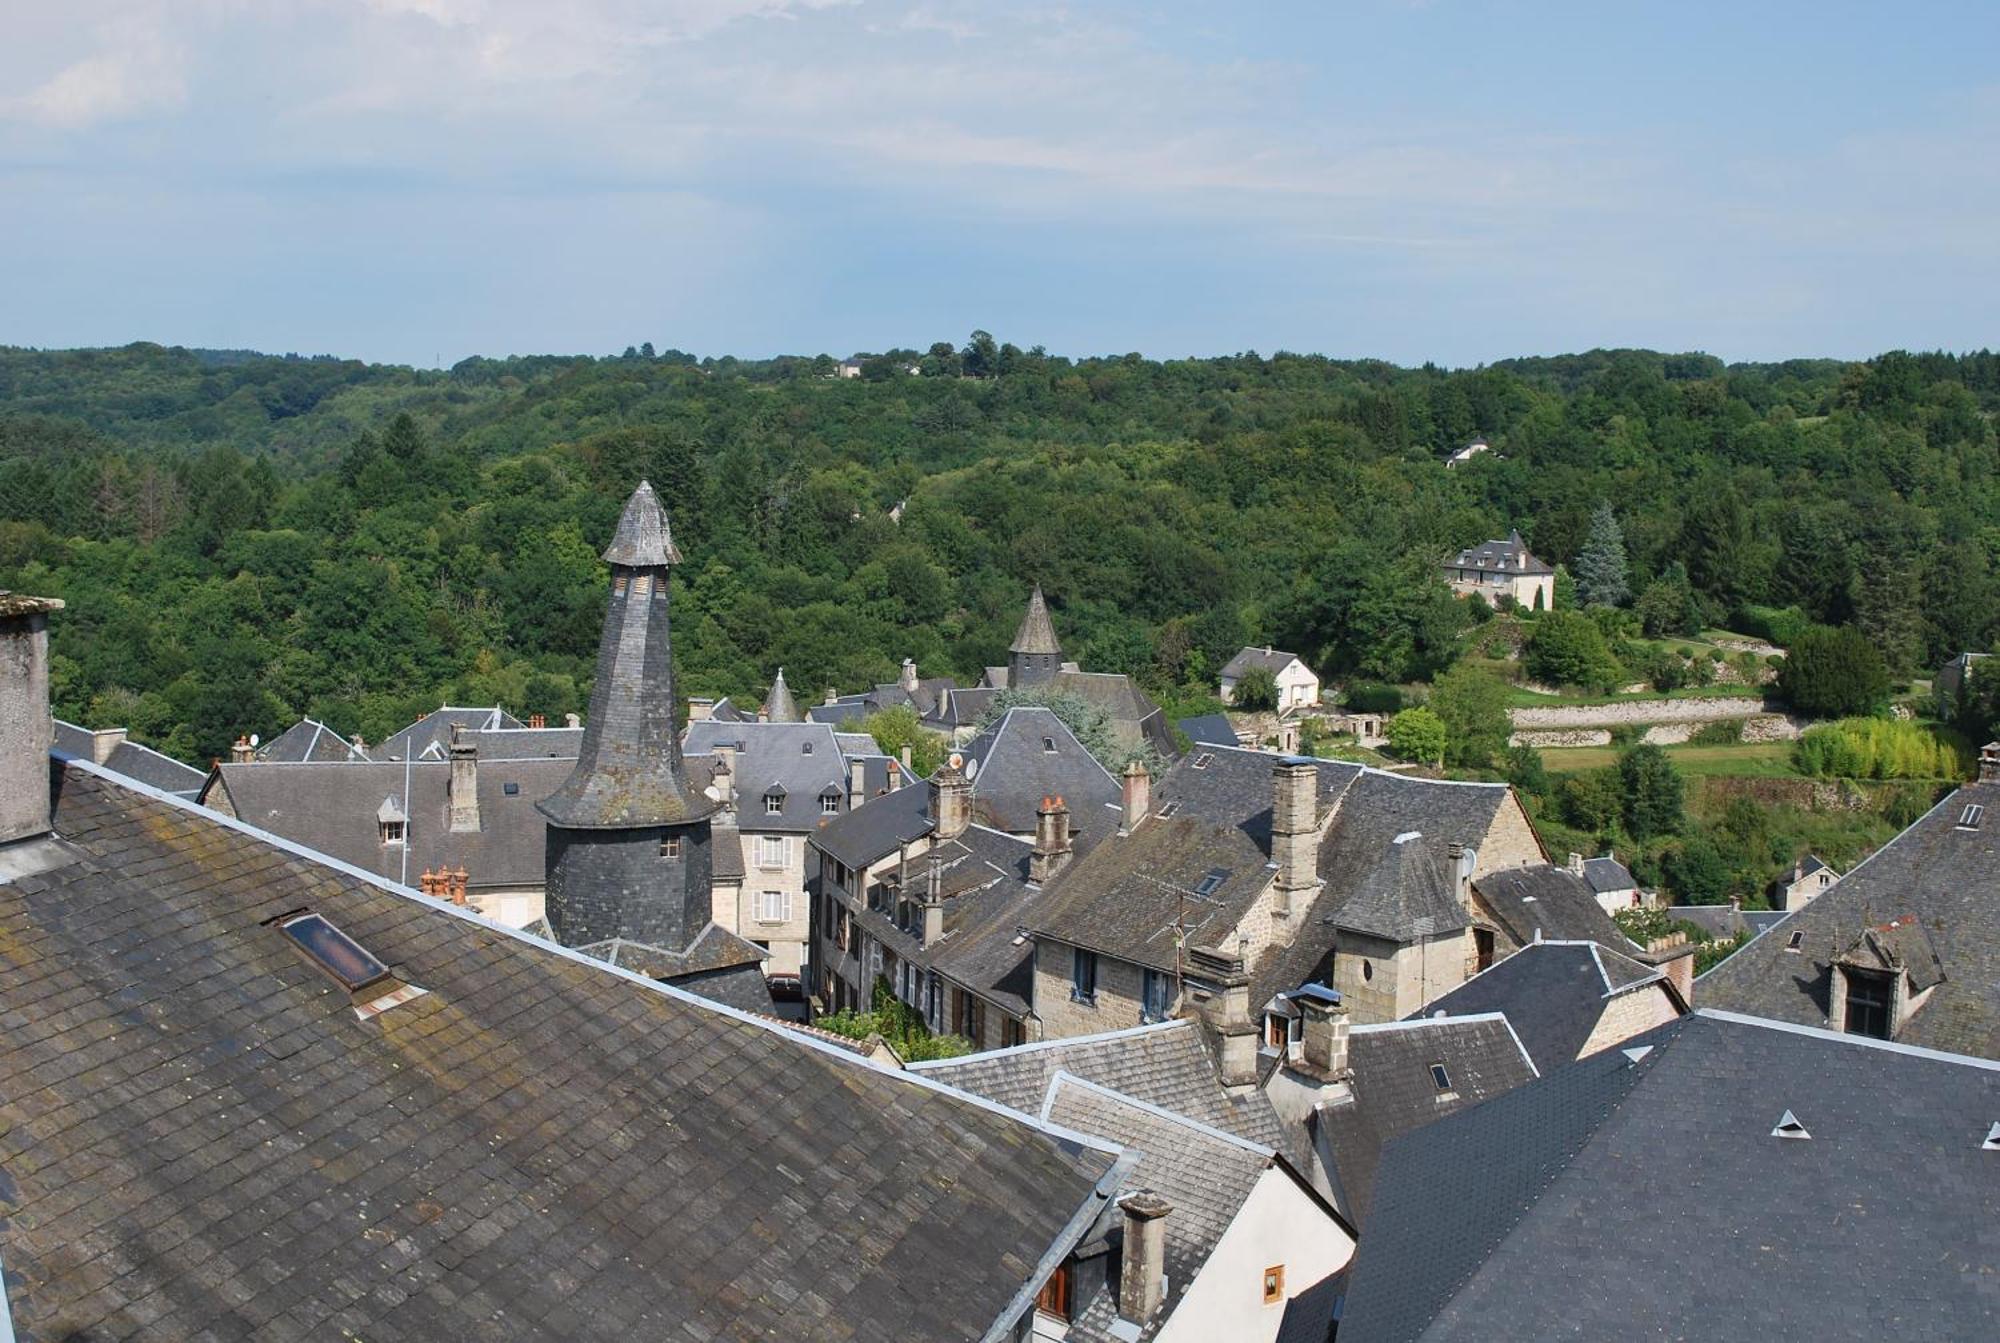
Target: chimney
1142, 1269
951, 798
455, 879
1227, 1009
1322, 1036
909, 677
463, 788
724, 778
427, 882
27, 730
832, 695
241, 752
572, 720
105, 740
1989, 762
857, 782
1461, 875
934, 900
903, 755
536, 720
1051, 853
1576, 863
1138, 798
763, 714
700, 707
357, 743
1295, 833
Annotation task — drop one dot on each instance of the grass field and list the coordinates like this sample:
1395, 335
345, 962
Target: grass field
1761, 760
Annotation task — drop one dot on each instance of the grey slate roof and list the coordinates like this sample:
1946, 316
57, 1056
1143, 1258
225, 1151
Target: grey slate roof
1544, 1209
199, 1139
1551, 903
1606, 873
1945, 874
1165, 1064
1553, 994
1208, 729
133, 761
1393, 1092
1310, 1317
1037, 633
1135, 719
779, 706
1407, 893
310, 739
1272, 660
799, 763
1028, 755
431, 734
643, 539
1509, 556
871, 833
1724, 922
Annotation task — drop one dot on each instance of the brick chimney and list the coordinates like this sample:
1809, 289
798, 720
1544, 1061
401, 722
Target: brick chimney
105, 740
1142, 1268
1295, 834
463, 788
1322, 1037
1227, 1009
241, 752
1052, 850
1138, 798
27, 730
1989, 762
454, 881
951, 798
933, 931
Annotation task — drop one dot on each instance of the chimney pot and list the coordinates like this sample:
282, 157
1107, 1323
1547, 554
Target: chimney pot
536, 720
1142, 1270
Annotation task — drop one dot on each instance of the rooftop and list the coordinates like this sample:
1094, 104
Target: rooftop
1552, 993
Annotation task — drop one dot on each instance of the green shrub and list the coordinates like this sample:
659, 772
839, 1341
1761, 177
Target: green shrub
1781, 625
1417, 735
1879, 748
1725, 732
1374, 697
1834, 673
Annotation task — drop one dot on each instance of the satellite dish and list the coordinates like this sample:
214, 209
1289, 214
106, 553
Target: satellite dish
253, 739
971, 769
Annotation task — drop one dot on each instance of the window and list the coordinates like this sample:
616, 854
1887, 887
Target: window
971, 1016
1170, 809
805, 748
393, 832
1274, 1284
1049, 745
1275, 1030
1868, 997
1970, 818
1011, 1034
1204, 760
334, 952
774, 906
1211, 882
1796, 940
670, 847
830, 805
770, 850
1053, 1299
1440, 1078
774, 804
1156, 996
511, 789
1083, 976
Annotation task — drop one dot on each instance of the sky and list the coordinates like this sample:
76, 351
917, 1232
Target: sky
415, 181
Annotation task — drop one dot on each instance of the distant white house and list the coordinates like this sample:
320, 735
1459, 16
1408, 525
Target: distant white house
1610, 881
1298, 686
1496, 569
1808, 879
848, 368
1467, 453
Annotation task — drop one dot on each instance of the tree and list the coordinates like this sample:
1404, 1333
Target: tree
1567, 648
1600, 566
1697, 873
896, 727
1088, 722
1256, 689
1669, 606
1833, 673
1472, 705
1650, 792
1418, 735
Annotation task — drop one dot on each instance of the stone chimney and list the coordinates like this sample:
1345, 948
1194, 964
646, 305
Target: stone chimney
832, 695
1322, 1037
357, 743
241, 752
903, 757
1051, 853
1142, 1269
951, 798
857, 782
908, 679
1138, 798
27, 730
933, 931
1295, 834
1989, 762
1576, 863
463, 788
1227, 1009
1461, 875
723, 780
700, 709
572, 720
105, 740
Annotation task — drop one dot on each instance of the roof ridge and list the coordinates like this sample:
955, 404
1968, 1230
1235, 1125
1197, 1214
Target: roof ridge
1034, 1046
1158, 1111
468, 915
1842, 1037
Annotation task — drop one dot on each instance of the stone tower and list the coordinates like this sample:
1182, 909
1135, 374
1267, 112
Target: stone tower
1034, 657
628, 836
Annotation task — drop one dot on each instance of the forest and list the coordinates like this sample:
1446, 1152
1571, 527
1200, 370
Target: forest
243, 539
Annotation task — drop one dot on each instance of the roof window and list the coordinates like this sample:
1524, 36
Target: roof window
333, 951
805, 748
1790, 1127
1796, 940
1440, 1078
1211, 881
1049, 745
511, 789
1170, 808
1204, 760
1970, 818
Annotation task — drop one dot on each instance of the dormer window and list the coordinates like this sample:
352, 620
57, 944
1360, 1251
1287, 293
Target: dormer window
774, 804
1869, 998
1049, 745
805, 748
670, 847
830, 805
393, 832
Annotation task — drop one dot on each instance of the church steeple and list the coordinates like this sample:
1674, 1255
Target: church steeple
628, 842
1035, 656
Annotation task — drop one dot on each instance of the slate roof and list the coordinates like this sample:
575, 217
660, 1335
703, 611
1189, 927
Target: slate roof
1553, 994
431, 734
871, 833
522, 743
1272, 660
1608, 874
1548, 902
774, 758
1134, 718
1028, 755
643, 539
199, 1138
1409, 892
133, 761
1164, 1064
1037, 633
1208, 729
1510, 556
310, 739
779, 706
1311, 1316
1945, 874
720, 966
1393, 1092
1724, 922
1543, 1208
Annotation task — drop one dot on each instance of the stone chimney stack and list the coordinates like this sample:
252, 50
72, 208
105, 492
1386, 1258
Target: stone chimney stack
241, 752
951, 798
1322, 1036
1138, 798
723, 780
1576, 863
1295, 834
1461, 875
933, 931
1051, 853
832, 696
1142, 1269
463, 787
572, 720
700, 709
27, 729
857, 782
908, 680
1227, 1009
903, 758
1989, 762
105, 740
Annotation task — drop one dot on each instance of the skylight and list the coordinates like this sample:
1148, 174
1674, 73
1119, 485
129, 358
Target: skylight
1049, 745
1970, 818
1211, 881
1170, 808
1796, 940
1440, 1077
1790, 1127
511, 789
1204, 760
334, 952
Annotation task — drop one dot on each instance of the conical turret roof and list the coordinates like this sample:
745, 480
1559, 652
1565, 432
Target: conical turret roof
1037, 634
642, 539
779, 707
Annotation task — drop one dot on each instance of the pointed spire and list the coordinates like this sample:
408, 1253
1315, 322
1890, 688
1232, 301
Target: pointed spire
1037, 633
642, 540
779, 706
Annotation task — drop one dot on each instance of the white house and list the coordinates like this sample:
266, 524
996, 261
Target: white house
1298, 687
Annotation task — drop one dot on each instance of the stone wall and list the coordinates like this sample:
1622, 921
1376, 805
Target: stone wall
1120, 985
1624, 1017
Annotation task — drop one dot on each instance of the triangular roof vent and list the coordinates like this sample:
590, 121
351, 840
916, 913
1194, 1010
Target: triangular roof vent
1992, 1143
1790, 1127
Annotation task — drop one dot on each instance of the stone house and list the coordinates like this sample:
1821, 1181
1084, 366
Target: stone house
1539, 902
1808, 879
1610, 881
1298, 684
1567, 1000
1496, 569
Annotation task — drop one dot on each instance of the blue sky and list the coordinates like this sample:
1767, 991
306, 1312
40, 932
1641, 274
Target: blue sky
418, 180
